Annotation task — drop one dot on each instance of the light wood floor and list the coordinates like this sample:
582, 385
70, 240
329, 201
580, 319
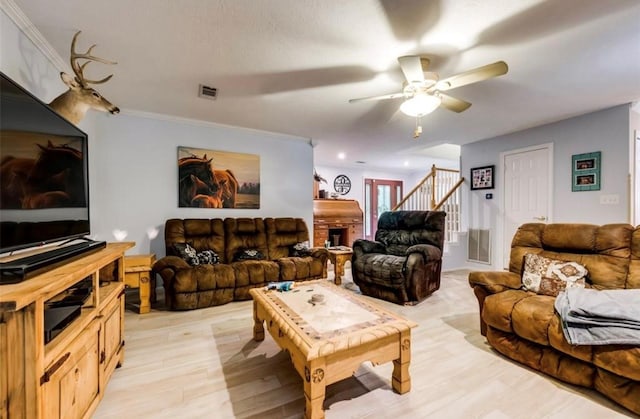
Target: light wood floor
204, 364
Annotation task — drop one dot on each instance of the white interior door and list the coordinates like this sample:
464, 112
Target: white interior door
528, 187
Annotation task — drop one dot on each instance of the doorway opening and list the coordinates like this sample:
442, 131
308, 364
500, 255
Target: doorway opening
380, 195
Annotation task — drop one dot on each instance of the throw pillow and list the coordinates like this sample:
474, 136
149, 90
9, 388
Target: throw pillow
248, 254
185, 250
206, 257
193, 257
300, 249
548, 276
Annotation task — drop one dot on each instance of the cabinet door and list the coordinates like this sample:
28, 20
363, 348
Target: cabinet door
72, 383
320, 235
112, 336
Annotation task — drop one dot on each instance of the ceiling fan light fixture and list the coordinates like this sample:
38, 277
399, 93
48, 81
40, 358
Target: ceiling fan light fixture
421, 104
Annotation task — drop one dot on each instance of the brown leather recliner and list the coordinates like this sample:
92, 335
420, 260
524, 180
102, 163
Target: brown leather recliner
403, 264
524, 326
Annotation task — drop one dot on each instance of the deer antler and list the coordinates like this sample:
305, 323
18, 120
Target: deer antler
78, 69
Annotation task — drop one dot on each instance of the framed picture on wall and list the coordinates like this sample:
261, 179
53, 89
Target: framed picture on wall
585, 172
218, 179
482, 177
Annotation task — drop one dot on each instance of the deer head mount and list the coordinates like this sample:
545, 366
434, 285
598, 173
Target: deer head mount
74, 103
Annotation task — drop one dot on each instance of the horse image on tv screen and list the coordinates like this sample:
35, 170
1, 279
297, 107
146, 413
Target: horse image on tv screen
39, 171
218, 179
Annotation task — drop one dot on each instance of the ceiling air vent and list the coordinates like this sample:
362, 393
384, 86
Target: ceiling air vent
208, 92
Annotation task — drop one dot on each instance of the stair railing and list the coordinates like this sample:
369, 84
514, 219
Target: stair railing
438, 190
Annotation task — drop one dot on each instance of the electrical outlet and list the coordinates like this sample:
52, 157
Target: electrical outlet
613, 199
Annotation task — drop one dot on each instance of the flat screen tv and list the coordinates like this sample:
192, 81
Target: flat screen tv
44, 176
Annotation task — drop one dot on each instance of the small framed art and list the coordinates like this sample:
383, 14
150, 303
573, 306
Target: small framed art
585, 172
482, 177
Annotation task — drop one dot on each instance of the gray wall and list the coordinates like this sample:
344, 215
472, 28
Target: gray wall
606, 131
634, 160
133, 158
134, 184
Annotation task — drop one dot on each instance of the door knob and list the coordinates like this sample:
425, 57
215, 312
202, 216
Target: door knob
541, 218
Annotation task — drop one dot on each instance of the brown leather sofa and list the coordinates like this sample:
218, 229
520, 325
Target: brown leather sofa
403, 264
189, 287
523, 325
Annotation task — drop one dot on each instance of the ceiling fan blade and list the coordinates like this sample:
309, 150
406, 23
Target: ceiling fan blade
382, 97
454, 104
473, 76
413, 67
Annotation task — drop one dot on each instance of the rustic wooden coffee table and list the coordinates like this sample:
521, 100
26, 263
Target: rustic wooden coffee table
328, 337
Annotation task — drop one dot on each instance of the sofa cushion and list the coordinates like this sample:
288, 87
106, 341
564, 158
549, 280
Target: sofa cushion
203, 277
298, 268
530, 318
254, 273
245, 233
497, 308
548, 276
201, 234
282, 234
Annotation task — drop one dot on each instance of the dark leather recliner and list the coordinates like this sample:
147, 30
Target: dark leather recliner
403, 264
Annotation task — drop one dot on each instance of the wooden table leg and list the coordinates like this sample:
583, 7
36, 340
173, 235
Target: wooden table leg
145, 293
258, 324
314, 389
400, 380
338, 270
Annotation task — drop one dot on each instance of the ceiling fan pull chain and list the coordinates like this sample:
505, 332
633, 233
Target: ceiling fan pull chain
418, 130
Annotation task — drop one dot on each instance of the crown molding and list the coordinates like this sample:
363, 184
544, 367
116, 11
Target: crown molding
30, 31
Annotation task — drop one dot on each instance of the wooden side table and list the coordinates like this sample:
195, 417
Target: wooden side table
338, 259
137, 274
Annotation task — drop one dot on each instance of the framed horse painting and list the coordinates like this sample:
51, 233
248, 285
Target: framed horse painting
218, 179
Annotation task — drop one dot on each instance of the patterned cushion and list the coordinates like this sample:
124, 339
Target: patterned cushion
208, 257
547, 276
185, 250
248, 254
300, 249
193, 257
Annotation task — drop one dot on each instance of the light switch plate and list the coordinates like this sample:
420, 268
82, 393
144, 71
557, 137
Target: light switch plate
612, 199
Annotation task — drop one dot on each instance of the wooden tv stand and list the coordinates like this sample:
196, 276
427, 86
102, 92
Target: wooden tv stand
67, 376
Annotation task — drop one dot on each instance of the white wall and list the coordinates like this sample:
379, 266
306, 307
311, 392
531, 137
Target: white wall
357, 177
606, 131
24, 63
634, 161
133, 157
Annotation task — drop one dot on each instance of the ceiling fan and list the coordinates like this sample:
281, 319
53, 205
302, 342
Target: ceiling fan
422, 90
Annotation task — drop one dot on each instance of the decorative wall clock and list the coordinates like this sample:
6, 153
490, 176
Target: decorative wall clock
342, 184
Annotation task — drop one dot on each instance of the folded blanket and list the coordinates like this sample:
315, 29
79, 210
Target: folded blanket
591, 317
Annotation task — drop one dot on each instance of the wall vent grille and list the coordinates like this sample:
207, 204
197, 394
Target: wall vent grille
208, 92
479, 245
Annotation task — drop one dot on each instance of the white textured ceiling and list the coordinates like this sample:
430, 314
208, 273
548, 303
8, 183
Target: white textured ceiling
290, 66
